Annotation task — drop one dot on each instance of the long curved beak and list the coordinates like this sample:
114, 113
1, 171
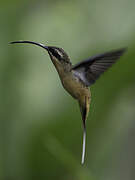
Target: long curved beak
31, 42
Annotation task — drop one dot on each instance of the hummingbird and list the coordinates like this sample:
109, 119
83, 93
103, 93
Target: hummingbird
76, 79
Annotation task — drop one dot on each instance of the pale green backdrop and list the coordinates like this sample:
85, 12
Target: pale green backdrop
40, 124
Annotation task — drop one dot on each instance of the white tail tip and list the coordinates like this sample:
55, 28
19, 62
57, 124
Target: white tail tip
84, 146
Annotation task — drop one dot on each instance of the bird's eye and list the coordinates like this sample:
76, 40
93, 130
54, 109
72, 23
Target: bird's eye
56, 53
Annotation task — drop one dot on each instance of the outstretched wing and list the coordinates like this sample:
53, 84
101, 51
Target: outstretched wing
89, 70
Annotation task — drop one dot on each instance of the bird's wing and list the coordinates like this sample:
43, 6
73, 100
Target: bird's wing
89, 70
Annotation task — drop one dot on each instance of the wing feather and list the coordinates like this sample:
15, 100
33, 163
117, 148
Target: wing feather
90, 70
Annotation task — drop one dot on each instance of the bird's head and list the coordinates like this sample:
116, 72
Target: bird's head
57, 55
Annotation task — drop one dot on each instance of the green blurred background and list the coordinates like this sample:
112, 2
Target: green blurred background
41, 128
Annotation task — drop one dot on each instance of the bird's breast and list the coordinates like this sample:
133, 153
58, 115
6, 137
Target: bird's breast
75, 87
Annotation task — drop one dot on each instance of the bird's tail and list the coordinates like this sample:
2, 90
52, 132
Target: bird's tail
84, 145
84, 107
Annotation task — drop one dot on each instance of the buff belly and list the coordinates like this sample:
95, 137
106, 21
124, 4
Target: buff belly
75, 87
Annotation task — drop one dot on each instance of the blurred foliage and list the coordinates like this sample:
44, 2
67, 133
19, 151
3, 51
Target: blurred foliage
41, 128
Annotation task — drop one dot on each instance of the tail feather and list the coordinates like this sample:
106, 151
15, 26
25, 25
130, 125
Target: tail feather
84, 145
84, 107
